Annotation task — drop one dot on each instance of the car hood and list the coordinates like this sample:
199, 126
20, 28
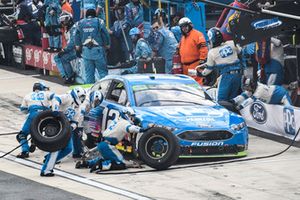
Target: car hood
193, 117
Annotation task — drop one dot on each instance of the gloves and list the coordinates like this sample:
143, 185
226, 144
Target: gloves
56, 113
61, 53
199, 74
134, 129
73, 126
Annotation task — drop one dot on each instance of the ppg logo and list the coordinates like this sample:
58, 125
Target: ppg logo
226, 51
289, 121
258, 113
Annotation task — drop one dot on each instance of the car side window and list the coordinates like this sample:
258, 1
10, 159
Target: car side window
117, 93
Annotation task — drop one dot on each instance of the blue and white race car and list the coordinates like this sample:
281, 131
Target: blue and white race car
187, 123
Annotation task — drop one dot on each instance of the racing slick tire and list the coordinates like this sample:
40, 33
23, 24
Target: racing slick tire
50, 131
8, 34
158, 148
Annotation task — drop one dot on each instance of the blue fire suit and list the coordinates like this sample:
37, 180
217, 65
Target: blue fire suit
165, 45
32, 104
274, 68
92, 35
117, 32
52, 24
225, 59
95, 5
177, 32
64, 103
142, 50
134, 14
63, 61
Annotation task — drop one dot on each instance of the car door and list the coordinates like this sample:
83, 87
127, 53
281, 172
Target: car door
116, 99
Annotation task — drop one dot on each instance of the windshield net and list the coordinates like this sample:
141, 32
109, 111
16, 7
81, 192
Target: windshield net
169, 95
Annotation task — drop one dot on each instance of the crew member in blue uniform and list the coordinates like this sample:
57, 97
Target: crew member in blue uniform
92, 39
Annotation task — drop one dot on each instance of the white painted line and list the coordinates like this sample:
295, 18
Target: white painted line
17, 77
79, 179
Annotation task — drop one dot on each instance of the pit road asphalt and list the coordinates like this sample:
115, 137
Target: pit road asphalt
273, 178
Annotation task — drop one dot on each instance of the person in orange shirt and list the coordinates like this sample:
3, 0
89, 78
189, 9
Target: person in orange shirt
66, 7
192, 49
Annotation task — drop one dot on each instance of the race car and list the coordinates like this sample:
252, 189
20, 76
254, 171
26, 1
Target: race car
184, 121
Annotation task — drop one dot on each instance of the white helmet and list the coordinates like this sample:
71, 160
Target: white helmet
78, 94
183, 21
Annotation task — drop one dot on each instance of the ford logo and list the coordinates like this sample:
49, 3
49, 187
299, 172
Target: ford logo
258, 112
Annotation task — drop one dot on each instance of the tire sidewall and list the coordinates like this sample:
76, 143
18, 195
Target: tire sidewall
169, 158
54, 143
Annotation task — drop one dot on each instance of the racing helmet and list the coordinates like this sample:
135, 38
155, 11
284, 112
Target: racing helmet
96, 98
184, 21
215, 37
134, 31
78, 94
65, 17
40, 86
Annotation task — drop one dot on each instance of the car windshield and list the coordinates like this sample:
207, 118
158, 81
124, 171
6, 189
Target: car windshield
169, 95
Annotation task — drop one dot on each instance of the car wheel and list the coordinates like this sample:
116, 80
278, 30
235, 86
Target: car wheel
8, 34
50, 133
158, 148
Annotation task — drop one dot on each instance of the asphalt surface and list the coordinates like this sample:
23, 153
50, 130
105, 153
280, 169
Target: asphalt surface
275, 177
14, 187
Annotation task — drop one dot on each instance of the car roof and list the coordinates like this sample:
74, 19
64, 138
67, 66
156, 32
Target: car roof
153, 78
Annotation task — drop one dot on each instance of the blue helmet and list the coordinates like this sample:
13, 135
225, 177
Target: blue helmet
96, 97
134, 31
215, 37
78, 94
41, 86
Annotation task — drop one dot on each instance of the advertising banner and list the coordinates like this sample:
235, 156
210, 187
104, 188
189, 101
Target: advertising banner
36, 57
275, 119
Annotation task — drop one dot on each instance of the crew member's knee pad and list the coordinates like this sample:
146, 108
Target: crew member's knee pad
21, 136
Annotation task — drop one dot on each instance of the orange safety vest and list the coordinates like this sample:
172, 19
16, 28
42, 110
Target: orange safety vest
192, 49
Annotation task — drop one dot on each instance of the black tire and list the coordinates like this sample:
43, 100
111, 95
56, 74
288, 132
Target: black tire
49, 132
167, 151
8, 34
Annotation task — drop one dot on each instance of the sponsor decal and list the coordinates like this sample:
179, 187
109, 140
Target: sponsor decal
207, 144
266, 24
36, 55
28, 54
202, 119
258, 112
18, 54
46, 58
289, 121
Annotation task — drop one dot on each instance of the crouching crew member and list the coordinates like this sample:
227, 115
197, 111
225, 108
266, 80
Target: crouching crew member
272, 94
116, 131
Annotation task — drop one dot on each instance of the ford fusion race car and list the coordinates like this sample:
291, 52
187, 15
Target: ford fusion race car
185, 121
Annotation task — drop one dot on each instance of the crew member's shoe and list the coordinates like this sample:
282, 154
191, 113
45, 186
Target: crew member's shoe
81, 164
23, 155
51, 174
